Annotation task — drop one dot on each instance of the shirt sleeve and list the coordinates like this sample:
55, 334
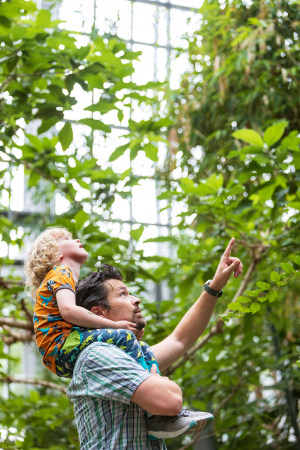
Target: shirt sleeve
110, 374
63, 279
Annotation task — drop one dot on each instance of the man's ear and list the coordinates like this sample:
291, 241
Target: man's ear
98, 311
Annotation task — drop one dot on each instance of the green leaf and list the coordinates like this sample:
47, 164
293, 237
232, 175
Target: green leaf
96, 125
18, 33
118, 152
262, 299
82, 52
160, 239
275, 276
274, 133
255, 307
102, 107
272, 296
266, 192
80, 218
234, 306
120, 115
296, 260
287, 267
48, 123
151, 151
243, 299
215, 181
43, 19
263, 285
291, 142
136, 234
253, 293
65, 136
35, 142
249, 136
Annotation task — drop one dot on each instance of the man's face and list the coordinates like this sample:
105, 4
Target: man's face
123, 306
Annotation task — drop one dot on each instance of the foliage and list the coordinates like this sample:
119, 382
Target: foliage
233, 170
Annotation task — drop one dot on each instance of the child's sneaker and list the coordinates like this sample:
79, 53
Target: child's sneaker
186, 422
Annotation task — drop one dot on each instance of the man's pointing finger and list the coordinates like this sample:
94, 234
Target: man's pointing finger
229, 248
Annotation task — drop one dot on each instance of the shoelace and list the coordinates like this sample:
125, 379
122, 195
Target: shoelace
183, 413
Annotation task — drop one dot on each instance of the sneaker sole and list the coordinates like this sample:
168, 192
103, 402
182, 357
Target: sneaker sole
166, 435
192, 428
199, 426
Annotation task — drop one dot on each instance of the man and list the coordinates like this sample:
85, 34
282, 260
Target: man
110, 391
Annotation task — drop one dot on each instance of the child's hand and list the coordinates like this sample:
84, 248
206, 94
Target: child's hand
126, 325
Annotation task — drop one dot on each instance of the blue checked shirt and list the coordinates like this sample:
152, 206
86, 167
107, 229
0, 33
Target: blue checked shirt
103, 383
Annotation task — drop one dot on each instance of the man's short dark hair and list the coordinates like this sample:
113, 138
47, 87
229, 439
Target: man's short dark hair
93, 290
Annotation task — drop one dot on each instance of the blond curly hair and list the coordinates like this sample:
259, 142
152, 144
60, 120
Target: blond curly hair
42, 257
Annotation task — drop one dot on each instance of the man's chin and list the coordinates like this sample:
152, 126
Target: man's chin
140, 323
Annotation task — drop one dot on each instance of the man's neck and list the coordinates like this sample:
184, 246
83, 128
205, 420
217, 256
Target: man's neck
73, 265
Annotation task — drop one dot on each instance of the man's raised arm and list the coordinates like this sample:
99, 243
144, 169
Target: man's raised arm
194, 322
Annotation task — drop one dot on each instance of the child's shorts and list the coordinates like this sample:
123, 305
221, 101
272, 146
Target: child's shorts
80, 338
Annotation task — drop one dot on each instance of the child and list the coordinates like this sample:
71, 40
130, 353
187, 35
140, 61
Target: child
52, 269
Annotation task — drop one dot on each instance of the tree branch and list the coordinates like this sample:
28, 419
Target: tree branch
9, 380
226, 399
15, 336
16, 323
28, 166
28, 314
197, 439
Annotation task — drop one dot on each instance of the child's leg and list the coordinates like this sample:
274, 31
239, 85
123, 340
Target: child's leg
149, 356
82, 337
126, 341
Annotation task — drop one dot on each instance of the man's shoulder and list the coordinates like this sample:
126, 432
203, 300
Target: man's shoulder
101, 353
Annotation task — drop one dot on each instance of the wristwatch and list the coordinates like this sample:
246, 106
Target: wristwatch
212, 291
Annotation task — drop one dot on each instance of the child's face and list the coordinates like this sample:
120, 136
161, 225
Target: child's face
72, 249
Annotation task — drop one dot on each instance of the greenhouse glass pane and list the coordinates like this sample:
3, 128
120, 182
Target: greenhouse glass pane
143, 23
115, 229
144, 69
188, 3
144, 202
179, 27
142, 165
78, 15
178, 67
150, 248
162, 26
162, 64
120, 208
114, 16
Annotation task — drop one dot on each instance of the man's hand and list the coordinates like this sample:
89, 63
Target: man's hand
226, 267
139, 334
153, 370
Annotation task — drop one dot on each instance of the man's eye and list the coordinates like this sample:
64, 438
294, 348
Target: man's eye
123, 293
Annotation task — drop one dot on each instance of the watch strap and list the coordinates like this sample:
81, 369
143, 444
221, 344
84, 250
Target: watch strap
212, 291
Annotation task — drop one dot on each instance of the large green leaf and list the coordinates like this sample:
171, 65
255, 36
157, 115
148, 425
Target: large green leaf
96, 125
66, 135
274, 133
249, 136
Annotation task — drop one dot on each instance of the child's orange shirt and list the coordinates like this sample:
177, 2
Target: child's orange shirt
51, 330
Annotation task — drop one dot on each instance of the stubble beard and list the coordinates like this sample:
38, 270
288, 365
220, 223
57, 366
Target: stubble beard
140, 322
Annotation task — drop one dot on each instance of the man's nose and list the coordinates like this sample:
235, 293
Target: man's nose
135, 300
